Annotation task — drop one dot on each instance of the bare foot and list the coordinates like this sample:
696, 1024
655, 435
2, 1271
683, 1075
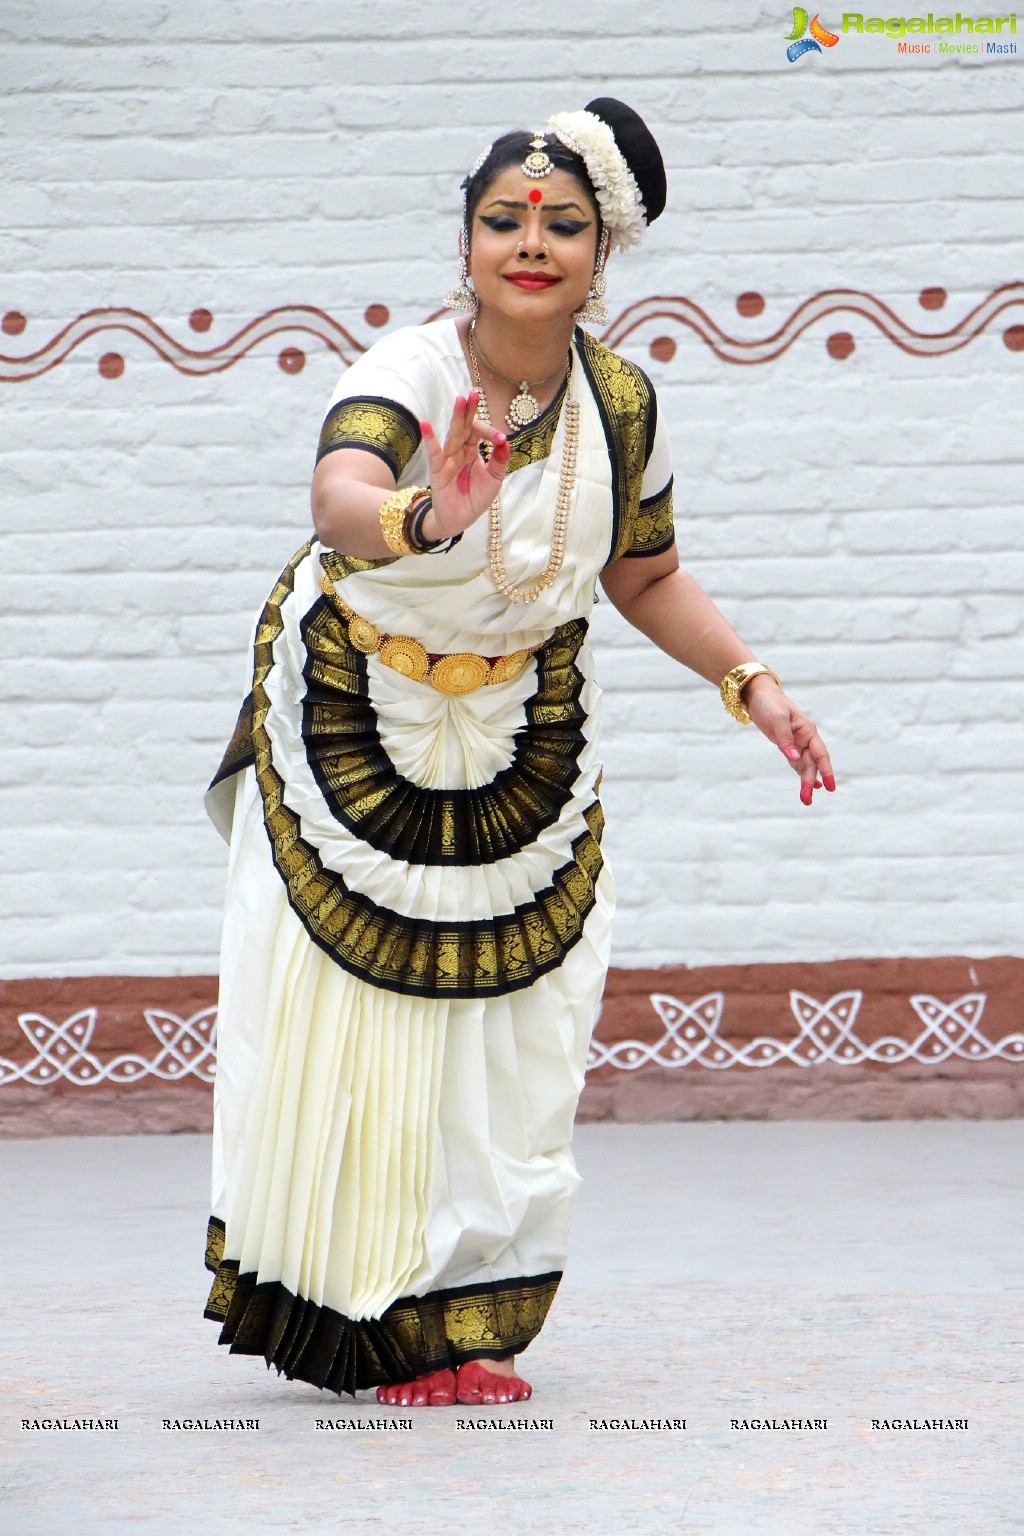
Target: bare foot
490, 1381
433, 1390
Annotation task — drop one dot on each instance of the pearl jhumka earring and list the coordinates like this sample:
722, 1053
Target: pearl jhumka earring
593, 310
463, 295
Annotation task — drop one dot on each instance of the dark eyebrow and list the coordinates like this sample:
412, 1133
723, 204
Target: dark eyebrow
506, 202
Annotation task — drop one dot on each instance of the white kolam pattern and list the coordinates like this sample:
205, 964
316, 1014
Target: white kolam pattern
187, 1048
825, 1033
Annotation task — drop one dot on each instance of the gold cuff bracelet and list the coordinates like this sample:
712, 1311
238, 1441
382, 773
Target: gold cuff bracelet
393, 515
733, 683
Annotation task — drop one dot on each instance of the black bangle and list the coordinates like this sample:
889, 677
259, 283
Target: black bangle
414, 526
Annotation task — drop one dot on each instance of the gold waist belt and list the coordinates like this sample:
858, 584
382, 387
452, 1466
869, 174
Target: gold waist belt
460, 673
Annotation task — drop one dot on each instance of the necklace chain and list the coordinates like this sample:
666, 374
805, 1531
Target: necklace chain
524, 407
563, 503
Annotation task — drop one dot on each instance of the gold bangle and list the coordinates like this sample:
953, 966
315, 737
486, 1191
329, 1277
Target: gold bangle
393, 519
733, 683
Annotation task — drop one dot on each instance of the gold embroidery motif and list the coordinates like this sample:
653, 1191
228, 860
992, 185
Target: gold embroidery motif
502, 1316
415, 1331
214, 1243
338, 566
224, 1274
505, 1318
654, 530
377, 425
221, 1292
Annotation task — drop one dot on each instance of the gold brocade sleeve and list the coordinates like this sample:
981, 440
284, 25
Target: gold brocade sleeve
654, 529
374, 424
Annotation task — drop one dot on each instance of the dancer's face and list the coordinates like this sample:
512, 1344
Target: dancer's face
532, 258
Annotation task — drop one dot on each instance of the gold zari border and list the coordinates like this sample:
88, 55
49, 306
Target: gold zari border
654, 529
626, 400
413, 1335
374, 424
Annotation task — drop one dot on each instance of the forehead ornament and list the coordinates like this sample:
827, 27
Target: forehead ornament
538, 162
535, 194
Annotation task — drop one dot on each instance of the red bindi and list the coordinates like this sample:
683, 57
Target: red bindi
535, 194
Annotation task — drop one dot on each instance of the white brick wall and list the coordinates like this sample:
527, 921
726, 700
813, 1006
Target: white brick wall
857, 520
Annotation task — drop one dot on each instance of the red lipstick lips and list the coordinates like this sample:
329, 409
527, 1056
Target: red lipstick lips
532, 282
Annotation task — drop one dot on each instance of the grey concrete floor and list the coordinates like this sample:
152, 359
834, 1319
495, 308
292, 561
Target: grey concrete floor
719, 1271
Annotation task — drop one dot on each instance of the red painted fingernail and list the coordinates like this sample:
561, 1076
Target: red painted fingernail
830, 782
464, 477
426, 429
806, 793
502, 449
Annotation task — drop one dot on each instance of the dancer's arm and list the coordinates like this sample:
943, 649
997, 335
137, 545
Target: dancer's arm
665, 603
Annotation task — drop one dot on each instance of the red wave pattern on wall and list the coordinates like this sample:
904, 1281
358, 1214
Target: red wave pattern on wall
296, 320
831, 302
290, 318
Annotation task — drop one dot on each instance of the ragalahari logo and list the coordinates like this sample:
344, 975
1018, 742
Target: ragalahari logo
902, 30
799, 44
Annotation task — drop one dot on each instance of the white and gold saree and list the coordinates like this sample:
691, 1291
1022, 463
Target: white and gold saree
418, 912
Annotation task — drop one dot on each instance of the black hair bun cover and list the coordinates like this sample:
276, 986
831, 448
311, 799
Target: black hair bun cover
639, 149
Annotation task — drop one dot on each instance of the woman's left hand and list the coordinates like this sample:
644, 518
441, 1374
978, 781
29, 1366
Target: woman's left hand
792, 732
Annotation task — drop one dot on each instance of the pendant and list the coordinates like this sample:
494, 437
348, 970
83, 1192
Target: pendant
524, 408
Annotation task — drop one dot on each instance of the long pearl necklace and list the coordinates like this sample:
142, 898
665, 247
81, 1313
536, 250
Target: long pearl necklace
525, 406
563, 502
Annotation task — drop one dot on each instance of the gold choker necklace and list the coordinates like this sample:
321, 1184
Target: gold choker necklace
525, 406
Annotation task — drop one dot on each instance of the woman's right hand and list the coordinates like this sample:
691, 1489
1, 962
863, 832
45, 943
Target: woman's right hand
462, 483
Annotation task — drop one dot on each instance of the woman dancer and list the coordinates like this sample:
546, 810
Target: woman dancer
418, 909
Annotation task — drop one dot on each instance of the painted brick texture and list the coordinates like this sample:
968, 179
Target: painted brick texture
857, 520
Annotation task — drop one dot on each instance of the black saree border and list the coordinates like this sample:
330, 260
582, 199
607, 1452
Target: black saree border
484, 957
305, 1341
625, 401
224, 1271
365, 792
239, 752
